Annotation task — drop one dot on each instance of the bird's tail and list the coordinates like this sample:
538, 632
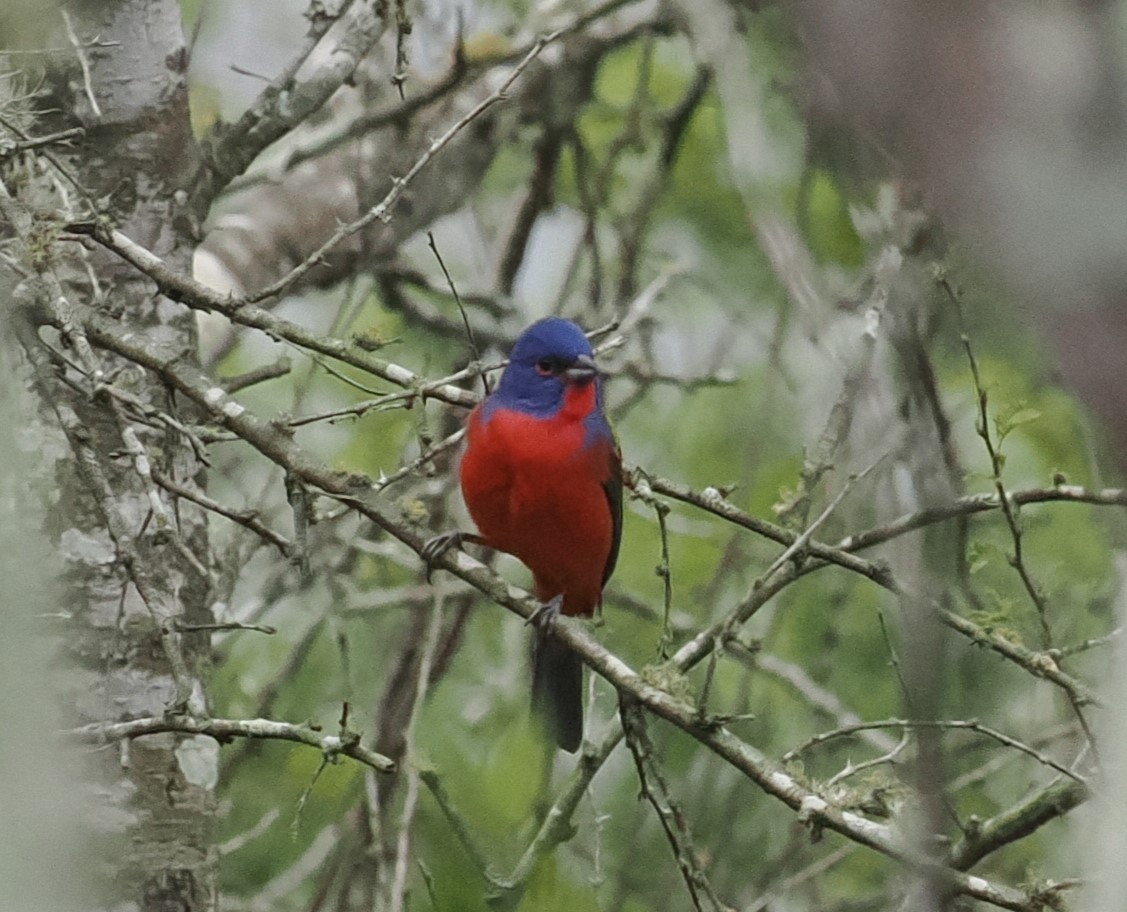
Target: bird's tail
557, 691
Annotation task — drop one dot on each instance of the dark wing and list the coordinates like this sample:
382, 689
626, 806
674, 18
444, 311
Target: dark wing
612, 487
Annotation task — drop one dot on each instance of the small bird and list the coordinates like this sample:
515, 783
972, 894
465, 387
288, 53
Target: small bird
542, 478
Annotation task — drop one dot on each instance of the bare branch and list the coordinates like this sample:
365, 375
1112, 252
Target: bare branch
331, 746
1018, 821
382, 210
80, 51
278, 446
9, 148
199, 297
398, 888
246, 518
952, 724
1041, 664
669, 812
257, 375
981, 503
286, 102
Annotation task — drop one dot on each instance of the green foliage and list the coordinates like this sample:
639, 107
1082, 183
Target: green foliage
840, 633
824, 214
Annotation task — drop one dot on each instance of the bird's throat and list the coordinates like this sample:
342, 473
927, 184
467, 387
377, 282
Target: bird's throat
579, 400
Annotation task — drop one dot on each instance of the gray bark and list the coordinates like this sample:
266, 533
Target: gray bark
133, 560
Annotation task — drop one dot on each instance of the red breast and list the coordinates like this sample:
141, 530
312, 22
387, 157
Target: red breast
535, 489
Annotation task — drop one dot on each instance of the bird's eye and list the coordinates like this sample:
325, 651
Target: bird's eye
545, 367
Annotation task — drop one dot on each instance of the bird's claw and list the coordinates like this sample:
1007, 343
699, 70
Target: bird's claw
543, 616
434, 548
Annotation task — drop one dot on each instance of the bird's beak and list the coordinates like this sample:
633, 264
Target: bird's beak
582, 370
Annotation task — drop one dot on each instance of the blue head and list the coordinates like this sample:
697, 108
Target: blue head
551, 355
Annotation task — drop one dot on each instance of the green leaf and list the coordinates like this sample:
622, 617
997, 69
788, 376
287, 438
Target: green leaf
1008, 421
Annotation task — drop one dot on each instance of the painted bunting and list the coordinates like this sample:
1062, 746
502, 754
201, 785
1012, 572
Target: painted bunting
542, 477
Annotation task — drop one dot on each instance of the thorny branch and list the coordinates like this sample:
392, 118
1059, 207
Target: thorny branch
279, 447
227, 411
194, 294
269, 118
656, 790
1009, 511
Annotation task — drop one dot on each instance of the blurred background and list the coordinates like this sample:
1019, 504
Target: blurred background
856, 267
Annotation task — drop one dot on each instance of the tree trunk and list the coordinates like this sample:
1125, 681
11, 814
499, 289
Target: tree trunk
133, 559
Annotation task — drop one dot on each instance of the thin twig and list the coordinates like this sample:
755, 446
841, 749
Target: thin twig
664, 569
226, 729
944, 724
818, 697
226, 625
246, 518
852, 769
344, 378
36, 52
788, 886
556, 827
239, 840
80, 52
474, 352
382, 210
1091, 643
410, 802
257, 375
656, 791
458, 824
980, 503
431, 453
278, 446
802, 540
1009, 509
8, 148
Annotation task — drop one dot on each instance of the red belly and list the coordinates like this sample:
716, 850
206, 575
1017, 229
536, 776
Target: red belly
536, 491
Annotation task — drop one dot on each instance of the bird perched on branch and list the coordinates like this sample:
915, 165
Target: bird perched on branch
542, 477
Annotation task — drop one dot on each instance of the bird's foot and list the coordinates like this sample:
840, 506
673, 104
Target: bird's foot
435, 547
543, 616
